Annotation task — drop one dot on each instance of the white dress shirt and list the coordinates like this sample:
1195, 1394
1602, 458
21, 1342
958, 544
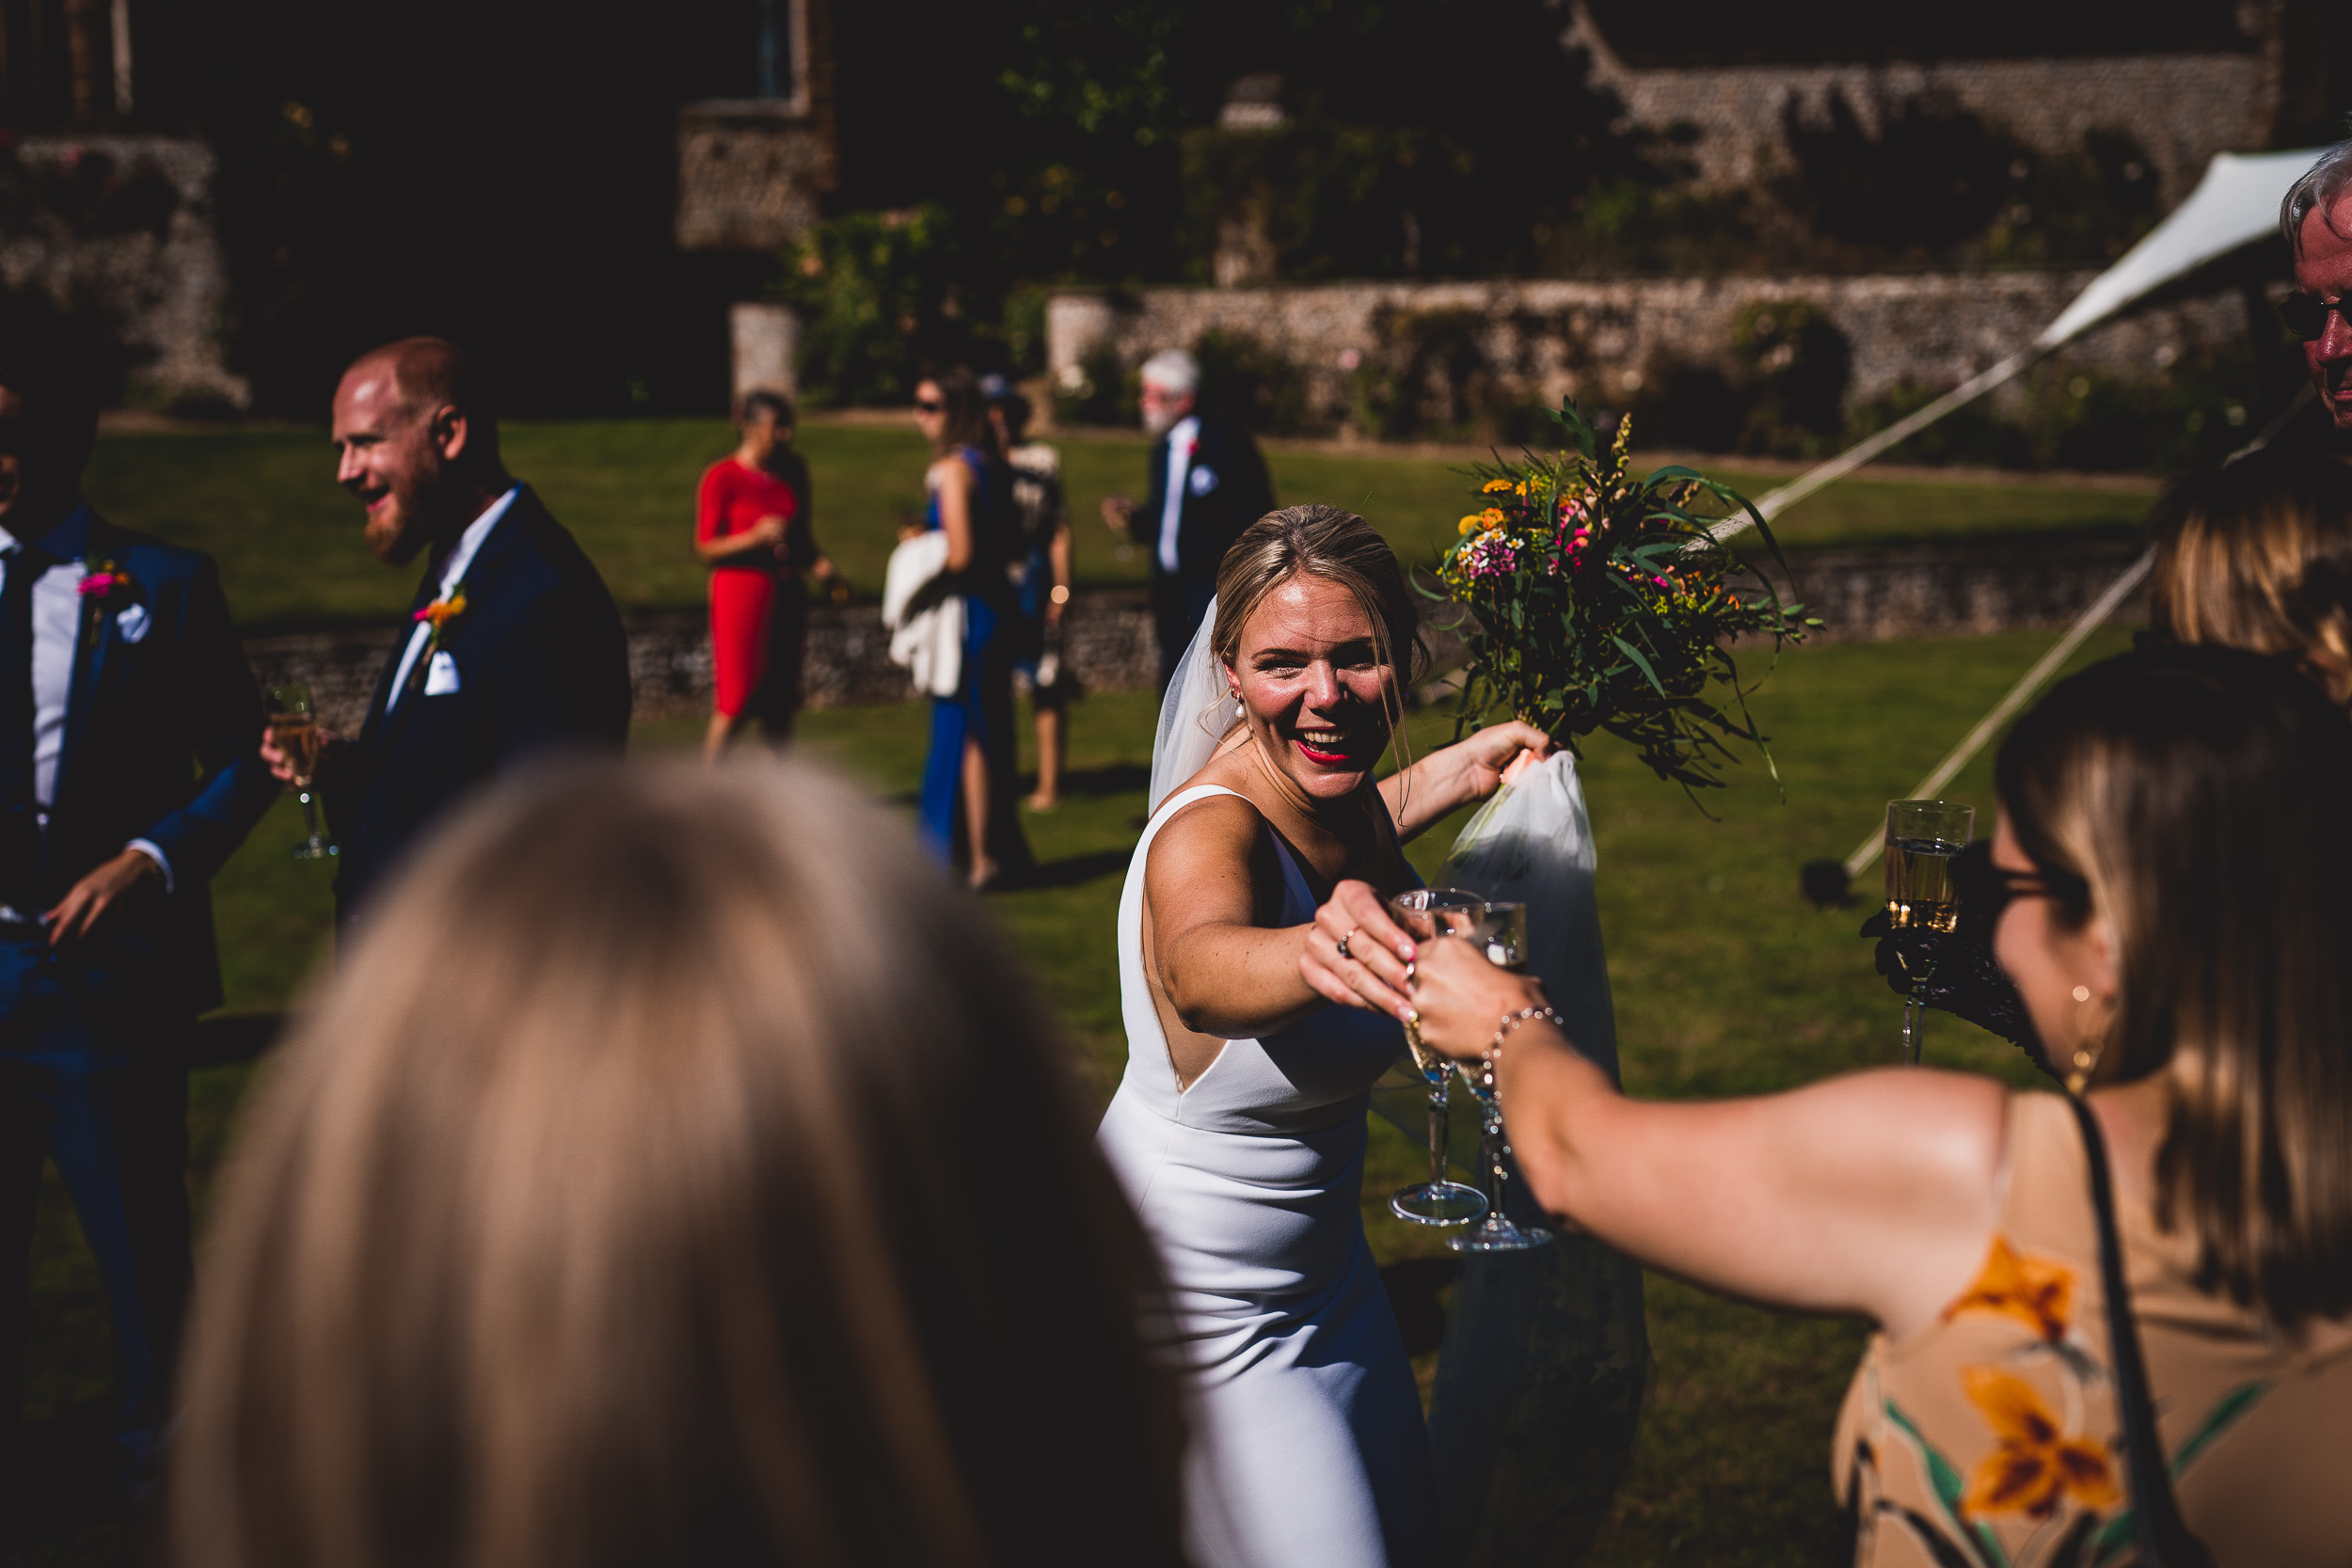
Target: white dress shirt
1180, 444
56, 634
453, 573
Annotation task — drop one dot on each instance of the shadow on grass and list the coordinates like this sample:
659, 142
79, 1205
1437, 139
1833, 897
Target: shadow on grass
1072, 870
1417, 1287
1118, 778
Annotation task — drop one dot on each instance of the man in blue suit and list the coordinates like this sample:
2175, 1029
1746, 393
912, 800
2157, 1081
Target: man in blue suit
516, 647
1207, 483
128, 772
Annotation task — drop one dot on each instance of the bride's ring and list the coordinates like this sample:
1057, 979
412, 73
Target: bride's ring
1410, 969
1346, 939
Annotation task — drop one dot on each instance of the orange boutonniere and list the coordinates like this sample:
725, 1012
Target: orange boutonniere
438, 614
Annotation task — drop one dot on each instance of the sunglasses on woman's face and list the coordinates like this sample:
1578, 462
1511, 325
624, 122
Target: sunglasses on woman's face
2005, 887
2306, 315
925, 405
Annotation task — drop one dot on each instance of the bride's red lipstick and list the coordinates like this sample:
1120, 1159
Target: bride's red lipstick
1312, 755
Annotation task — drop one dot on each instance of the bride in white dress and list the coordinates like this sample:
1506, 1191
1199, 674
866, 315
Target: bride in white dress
1261, 984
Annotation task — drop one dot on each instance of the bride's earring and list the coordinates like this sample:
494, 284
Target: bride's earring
2089, 1046
1239, 710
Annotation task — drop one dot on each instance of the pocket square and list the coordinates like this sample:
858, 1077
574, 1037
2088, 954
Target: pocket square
440, 677
132, 623
1203, 481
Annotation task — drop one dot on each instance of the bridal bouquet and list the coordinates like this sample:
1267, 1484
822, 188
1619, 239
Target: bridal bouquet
1597, 601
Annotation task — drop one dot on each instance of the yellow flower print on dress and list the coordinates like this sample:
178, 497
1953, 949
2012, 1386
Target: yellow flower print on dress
2037, 1465
2036, 1291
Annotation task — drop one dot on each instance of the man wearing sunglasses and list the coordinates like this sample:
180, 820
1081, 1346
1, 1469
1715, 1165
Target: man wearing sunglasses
2316, 218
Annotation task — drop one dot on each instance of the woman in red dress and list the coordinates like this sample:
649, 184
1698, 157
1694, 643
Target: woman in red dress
751, 528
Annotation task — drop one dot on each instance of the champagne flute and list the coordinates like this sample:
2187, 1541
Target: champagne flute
296, 730
1501, 935
1922, 837
1425, 912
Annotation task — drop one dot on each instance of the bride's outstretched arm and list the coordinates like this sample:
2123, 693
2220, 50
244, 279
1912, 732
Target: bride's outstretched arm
1456, 775
1212, 885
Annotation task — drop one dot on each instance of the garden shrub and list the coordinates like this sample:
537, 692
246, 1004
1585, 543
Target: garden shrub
1688, 407
1254, 386
2190, 414
1429, 375
1793, 367
880, 297
1098, 391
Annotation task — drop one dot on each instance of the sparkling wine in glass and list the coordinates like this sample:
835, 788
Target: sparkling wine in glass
1501, 933
296, 730
1425, 913
1922, 838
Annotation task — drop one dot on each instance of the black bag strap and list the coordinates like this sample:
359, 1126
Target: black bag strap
2158, 1529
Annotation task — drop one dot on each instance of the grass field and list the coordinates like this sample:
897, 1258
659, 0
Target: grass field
1725, 981
264, 503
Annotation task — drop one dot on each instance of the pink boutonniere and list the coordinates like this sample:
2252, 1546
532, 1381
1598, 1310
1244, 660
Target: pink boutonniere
101, 580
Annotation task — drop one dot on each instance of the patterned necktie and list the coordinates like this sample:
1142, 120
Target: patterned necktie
20, 822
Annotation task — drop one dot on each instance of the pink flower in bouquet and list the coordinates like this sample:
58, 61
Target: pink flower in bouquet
98, 585
1491, 557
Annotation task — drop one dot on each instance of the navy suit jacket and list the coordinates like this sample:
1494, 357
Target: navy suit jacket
1237, 493
162, 732
542, 665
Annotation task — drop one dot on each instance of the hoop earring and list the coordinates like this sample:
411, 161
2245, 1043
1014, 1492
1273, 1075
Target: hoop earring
2088, 1047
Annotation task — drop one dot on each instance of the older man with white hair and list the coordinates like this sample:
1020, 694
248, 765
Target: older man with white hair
1207, 483
2316, 218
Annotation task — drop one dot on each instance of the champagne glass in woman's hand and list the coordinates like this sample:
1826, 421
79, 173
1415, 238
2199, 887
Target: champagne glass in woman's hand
1463, 989
1501, 934
1427, 912
1923, 837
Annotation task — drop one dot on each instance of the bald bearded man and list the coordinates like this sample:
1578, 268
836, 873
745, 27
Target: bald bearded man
516, 647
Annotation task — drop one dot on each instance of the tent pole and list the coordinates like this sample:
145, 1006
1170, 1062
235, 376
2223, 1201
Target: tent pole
2047, 666
1853, 457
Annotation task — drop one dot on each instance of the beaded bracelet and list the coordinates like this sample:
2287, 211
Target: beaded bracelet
1492, 1055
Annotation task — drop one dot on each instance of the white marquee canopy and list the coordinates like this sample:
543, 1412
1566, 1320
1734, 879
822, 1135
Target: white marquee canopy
2235, 204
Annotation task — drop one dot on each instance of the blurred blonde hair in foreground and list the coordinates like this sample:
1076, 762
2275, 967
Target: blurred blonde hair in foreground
2258, 555
675, 1172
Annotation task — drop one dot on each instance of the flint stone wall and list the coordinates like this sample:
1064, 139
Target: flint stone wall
1879, 594
120, 228
2181, 108
1597, 341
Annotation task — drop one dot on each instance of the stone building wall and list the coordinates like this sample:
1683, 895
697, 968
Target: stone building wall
751, 174
1556, 338
117, 230
2181, 108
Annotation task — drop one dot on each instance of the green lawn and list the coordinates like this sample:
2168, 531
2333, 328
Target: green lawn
264, 503
1726, 982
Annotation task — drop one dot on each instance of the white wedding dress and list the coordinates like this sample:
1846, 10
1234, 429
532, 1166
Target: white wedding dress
1309, 1447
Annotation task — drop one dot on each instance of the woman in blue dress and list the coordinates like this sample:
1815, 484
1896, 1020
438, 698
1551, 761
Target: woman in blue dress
969, 818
